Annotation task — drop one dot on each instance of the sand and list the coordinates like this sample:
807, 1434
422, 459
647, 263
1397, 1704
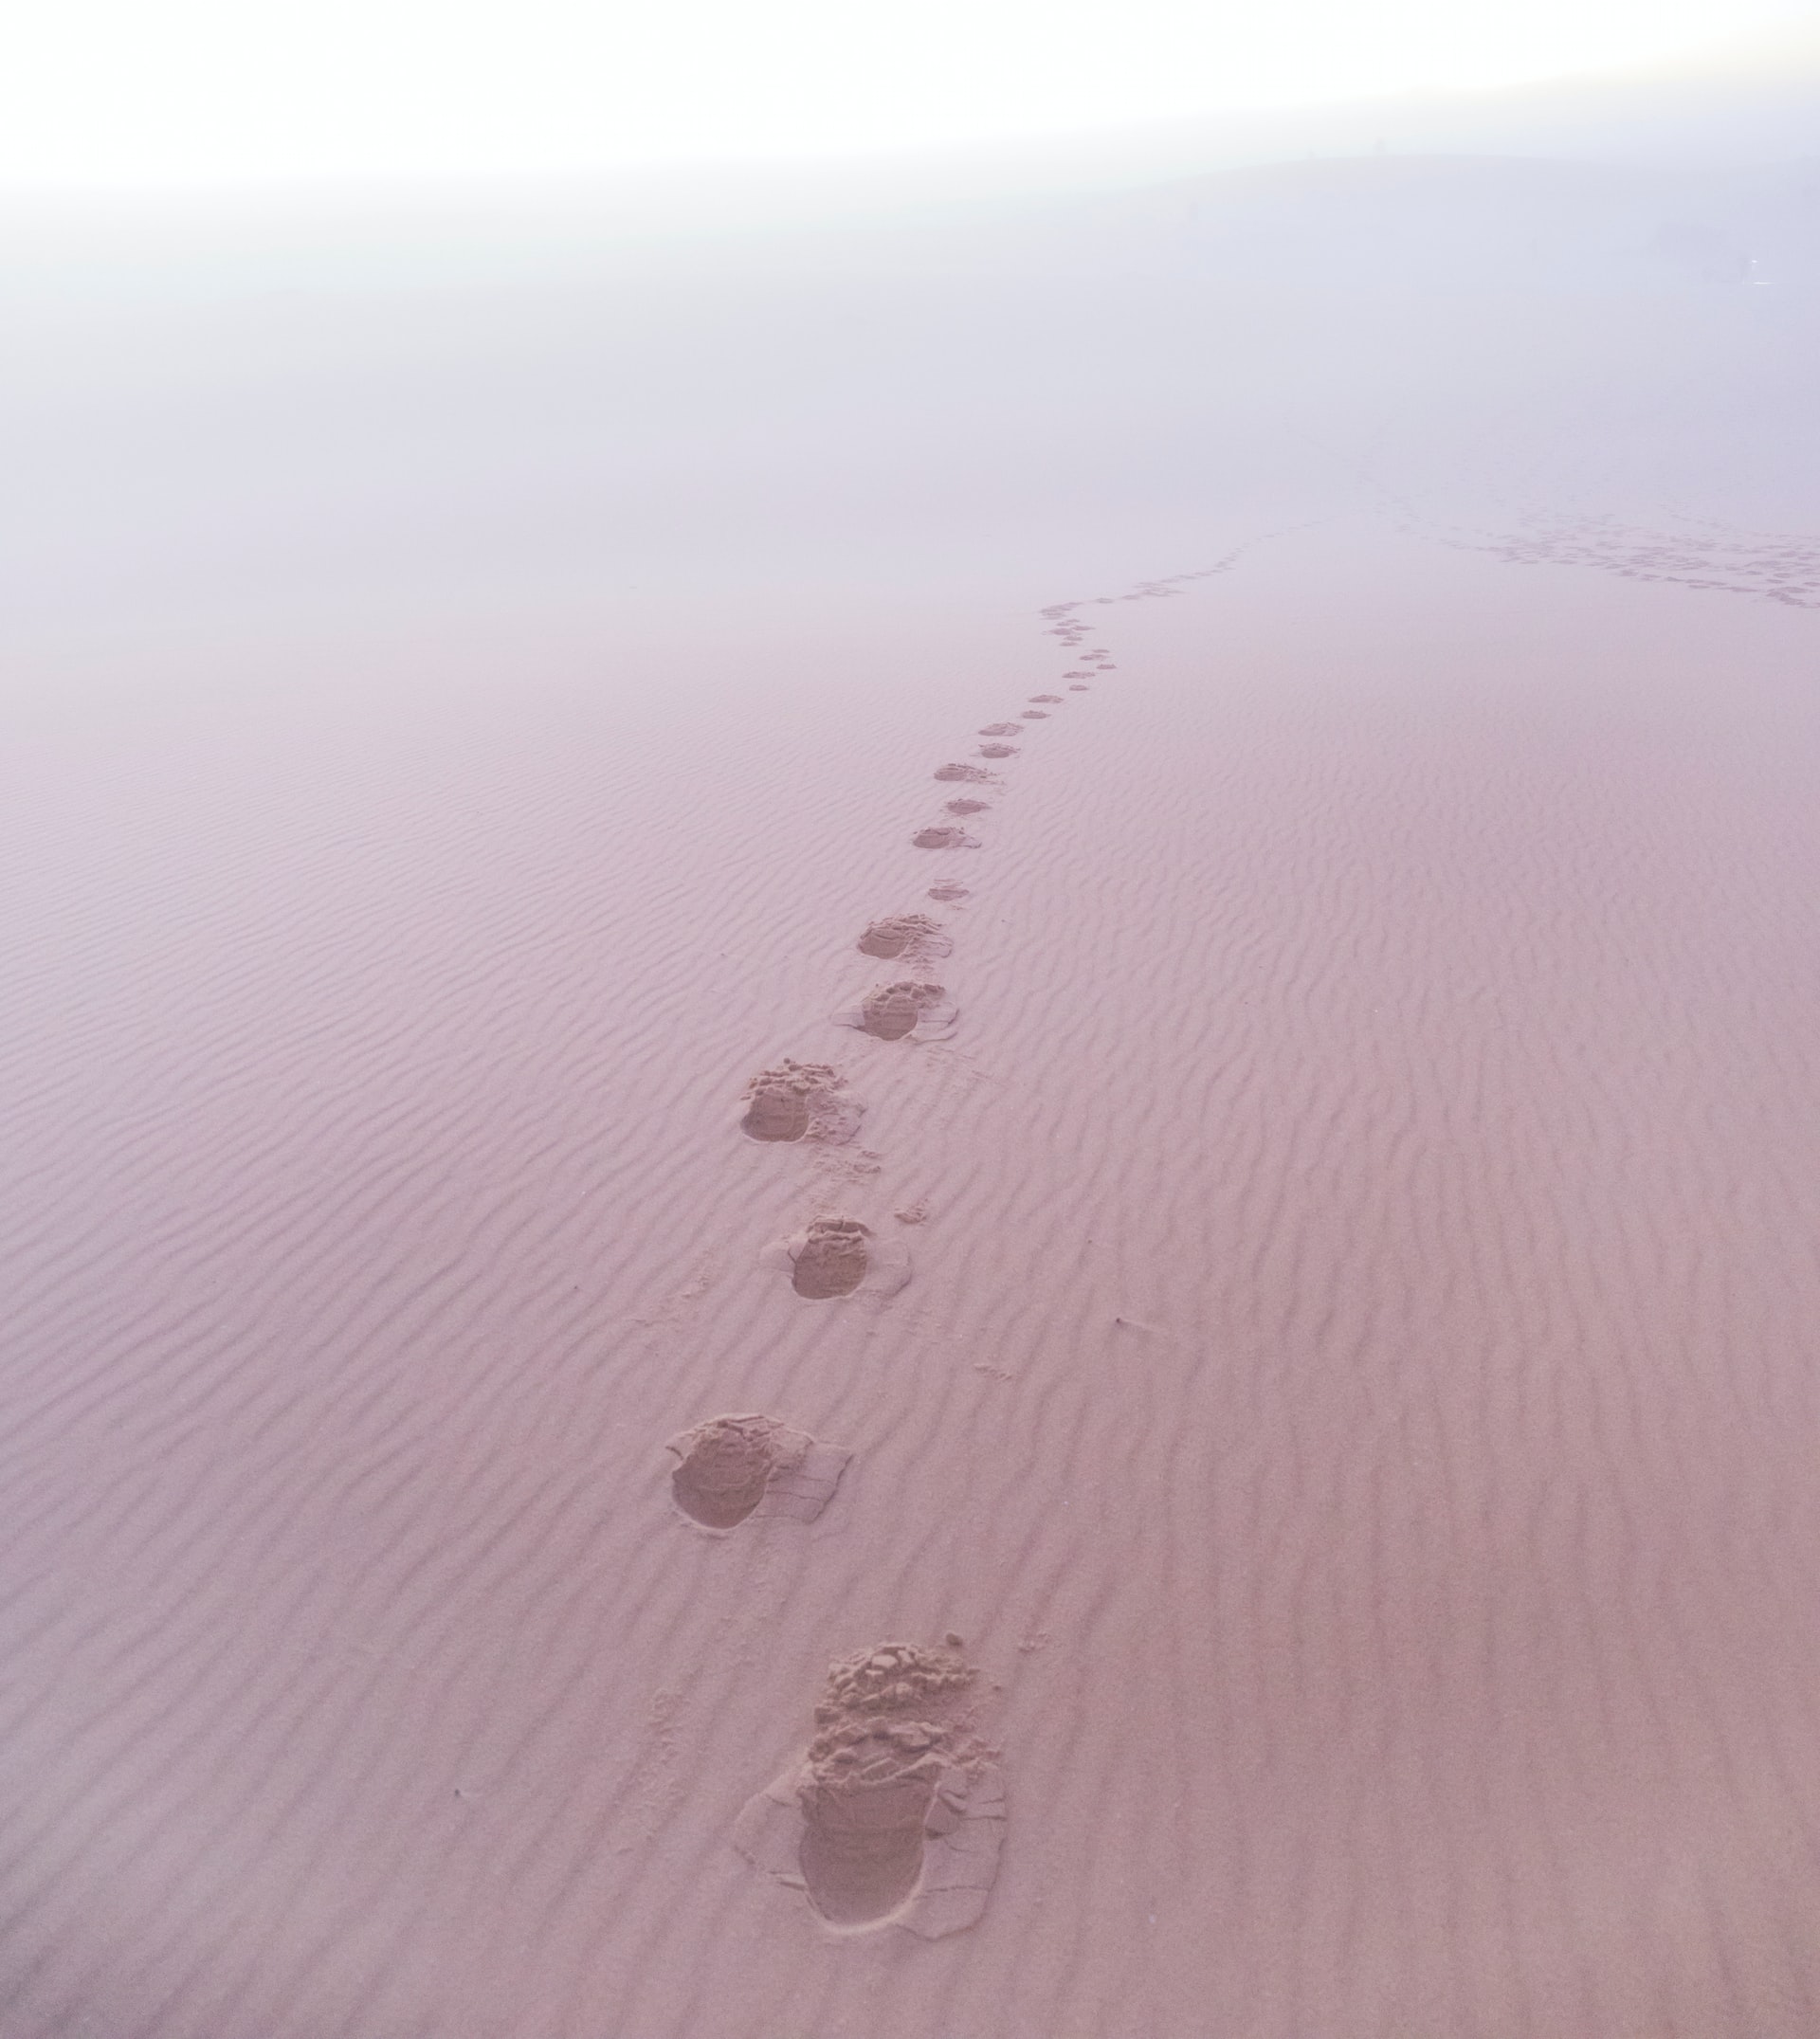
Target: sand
1350, 1409
632, 1405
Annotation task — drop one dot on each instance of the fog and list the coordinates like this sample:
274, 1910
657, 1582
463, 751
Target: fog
236, 427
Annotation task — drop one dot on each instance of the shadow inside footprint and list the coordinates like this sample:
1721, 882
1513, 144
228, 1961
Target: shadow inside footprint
906, 933
734, 1467
896, 1812
894, 1011
906, 1010
776, 1110
725, 1471
862, 1846
832, 1259
798, 1100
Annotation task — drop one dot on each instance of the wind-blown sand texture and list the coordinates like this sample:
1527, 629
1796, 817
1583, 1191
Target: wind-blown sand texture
1355, 1395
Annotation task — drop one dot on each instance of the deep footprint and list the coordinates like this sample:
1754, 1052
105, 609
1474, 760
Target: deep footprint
899, 1009
943, 836
832, 1259
993, 750
907, 933
734, 1467
894, 1812
799, 1101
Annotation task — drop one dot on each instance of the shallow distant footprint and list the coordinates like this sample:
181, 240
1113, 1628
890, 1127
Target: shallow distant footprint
905, 1010
1080, 687
999, 728
944, 835
968, 806
994, 749
731, 1468
1036, 715
800, 1100
907, 933
971, 774
836, 1257
895, 1816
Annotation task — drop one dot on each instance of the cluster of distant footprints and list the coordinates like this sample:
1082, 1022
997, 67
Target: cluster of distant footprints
894, 1813
1772, 566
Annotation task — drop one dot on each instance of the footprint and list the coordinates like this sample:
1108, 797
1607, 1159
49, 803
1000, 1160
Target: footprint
948, 892
831, 1260
944, 835
905, 1010
799, 1101
1046, 696
992, 750
1036, 715
1080, 687
836, 1257
907, 933
895, 1816
999, 728
968, 807
734, 1467
974, 774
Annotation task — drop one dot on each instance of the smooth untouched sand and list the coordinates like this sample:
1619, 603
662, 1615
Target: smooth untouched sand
1353, 1403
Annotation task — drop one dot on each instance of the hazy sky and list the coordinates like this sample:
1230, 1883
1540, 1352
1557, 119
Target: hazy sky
149, 91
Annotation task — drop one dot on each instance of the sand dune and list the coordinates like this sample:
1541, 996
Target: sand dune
1350, 1401
913, 1132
